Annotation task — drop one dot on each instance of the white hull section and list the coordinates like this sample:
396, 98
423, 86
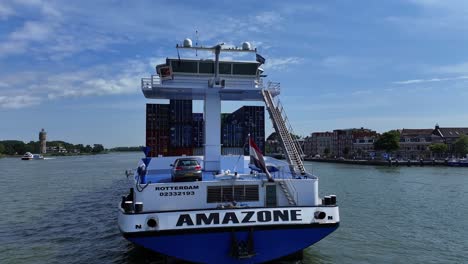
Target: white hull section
235, 217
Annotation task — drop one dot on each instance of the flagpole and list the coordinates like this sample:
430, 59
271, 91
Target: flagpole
257, 157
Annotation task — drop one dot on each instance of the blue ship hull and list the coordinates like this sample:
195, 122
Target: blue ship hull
219, 245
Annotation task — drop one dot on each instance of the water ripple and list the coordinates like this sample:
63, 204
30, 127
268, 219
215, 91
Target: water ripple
63, 210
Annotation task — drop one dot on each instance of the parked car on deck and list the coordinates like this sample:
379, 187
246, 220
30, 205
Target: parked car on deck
186, 169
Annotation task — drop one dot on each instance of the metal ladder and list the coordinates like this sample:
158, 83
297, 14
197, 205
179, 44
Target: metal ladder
286, 192
291, 147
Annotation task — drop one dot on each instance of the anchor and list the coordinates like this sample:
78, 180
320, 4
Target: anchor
242, 249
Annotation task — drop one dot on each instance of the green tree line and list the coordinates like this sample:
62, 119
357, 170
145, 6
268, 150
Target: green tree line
17, 147
126, 148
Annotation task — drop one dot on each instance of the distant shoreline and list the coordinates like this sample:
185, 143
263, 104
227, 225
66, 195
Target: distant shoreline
71, 154
392, 163
56, 154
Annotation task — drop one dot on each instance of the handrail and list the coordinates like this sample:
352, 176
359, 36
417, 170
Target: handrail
283, 128
289, 127
150, 82
293, 190
155, 79
146, 83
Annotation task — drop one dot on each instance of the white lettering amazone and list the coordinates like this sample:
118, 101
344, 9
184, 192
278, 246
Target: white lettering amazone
241, 217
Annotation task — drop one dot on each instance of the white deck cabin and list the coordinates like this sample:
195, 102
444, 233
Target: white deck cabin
247, 189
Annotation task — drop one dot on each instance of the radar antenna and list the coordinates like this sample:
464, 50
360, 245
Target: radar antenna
196, 42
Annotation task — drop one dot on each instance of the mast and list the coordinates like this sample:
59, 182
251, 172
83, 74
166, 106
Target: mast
212, 106
211, 81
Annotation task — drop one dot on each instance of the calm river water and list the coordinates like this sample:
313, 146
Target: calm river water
63, 210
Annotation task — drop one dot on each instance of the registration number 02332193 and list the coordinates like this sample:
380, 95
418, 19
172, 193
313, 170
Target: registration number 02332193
176, 193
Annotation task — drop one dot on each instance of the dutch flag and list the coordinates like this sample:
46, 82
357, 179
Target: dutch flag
259, 58
256, 158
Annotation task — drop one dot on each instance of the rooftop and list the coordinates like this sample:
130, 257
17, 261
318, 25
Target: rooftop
451, 132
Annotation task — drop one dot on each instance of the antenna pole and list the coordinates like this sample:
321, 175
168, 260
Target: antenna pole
196, 43
217, 52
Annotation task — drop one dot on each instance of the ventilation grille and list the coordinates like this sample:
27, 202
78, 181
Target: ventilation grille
229, 193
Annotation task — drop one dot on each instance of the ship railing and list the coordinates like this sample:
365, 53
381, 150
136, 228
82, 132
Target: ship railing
289, 146
293, 190
155, 80
294, 136
148, 83
259, 82
274, 88
284, 173
239, 83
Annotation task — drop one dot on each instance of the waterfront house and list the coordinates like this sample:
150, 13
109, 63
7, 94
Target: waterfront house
414, 143
318, 143
363, 143
449, 135
353, 142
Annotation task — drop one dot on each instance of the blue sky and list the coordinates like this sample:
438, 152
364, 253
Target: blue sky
74, 67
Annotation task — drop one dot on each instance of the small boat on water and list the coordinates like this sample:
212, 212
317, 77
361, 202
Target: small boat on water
30, 156
238, 209
458, 162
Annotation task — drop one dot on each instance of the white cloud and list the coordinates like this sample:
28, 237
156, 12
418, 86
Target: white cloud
12, 47
351, 65
97, 81
5, 11
40, 28
268, 18
445, 4
459, 68
336, 62
32, 31
60, 30
308, 7
431, 80
100, 80
435, 16
361, 92
56, 30
50, 34
45, 7
153, 61
18, 101
281, 63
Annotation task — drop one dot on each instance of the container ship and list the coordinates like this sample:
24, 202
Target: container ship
204, 193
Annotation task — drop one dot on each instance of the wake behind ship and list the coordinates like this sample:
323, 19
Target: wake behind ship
224, 209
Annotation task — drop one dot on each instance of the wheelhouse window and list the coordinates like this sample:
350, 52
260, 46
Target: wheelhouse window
245, 68
206, 67
225, 68
184, 66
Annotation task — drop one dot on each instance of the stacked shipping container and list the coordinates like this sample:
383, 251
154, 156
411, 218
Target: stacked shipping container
252, 121
198, 126
180, 120
157, 129
173, 130
231, 132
